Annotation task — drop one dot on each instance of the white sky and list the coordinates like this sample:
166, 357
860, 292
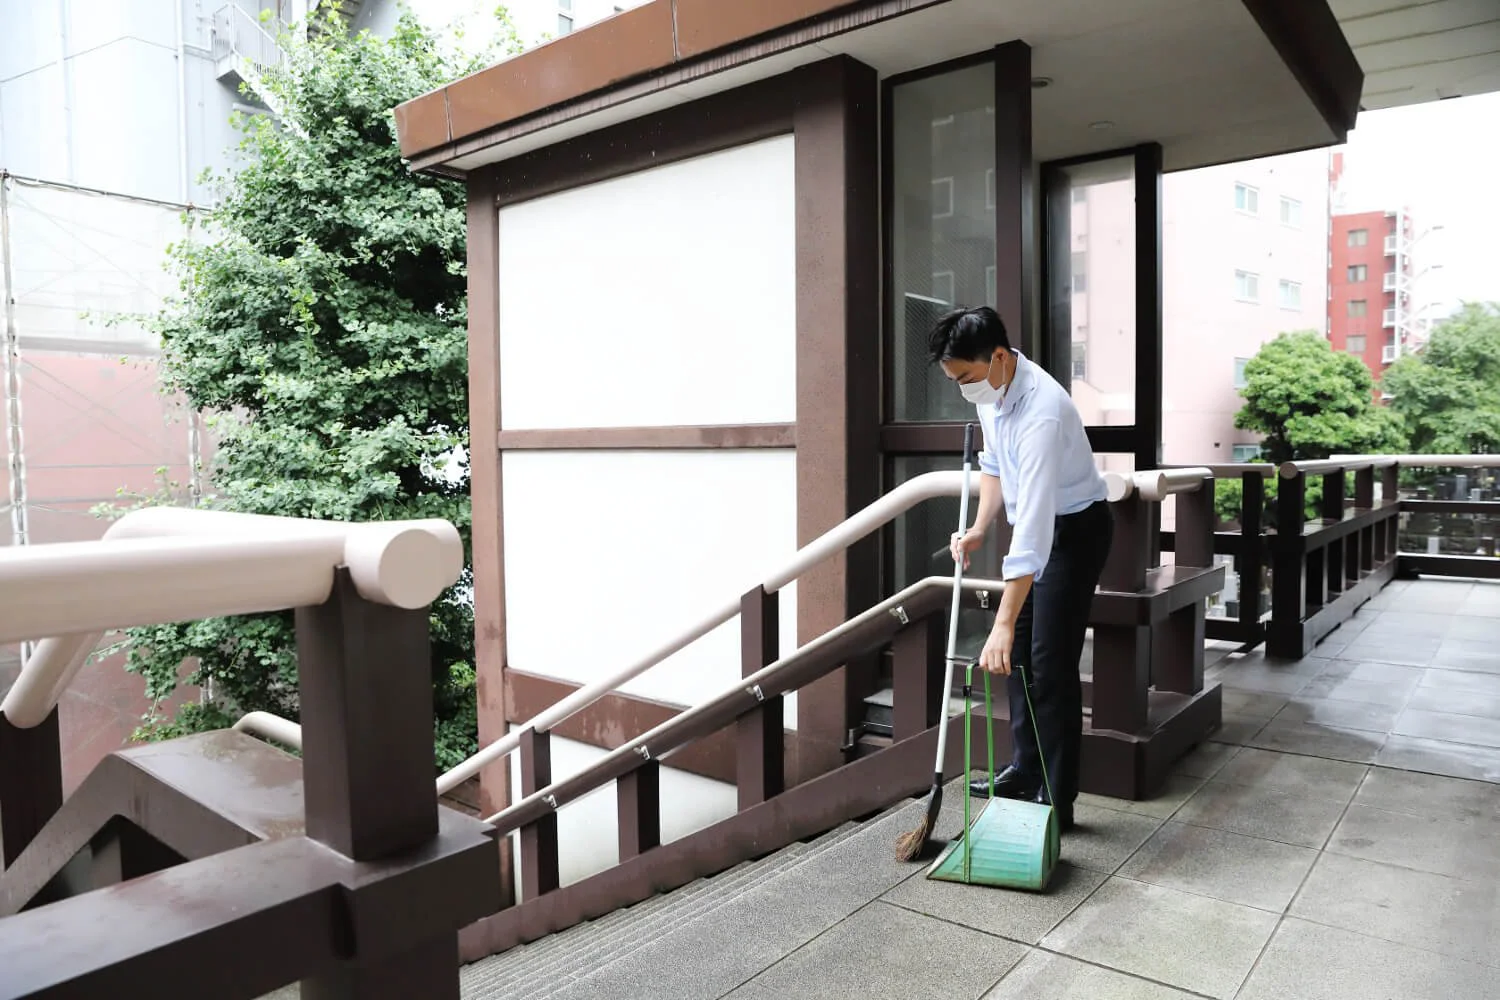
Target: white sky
1442, 161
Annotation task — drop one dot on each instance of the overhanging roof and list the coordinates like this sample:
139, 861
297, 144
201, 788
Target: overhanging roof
1413, 51
1211, 80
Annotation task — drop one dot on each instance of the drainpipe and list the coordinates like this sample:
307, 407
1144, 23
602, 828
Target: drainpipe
15, 457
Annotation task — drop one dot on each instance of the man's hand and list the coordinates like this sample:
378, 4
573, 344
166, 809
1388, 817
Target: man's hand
995, 657
959, 546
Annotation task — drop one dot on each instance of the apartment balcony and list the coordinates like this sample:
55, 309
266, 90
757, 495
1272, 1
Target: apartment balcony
1388, 354
1391, 282
1390, 245
1388, 318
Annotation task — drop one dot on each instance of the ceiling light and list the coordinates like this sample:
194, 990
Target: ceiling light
1101, 126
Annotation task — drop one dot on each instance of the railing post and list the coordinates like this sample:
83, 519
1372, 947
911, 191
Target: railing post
1332, 509
1252, 553
1130, 555
367, 730
539, 861
639, 807
1390, 490
760, 762
1122, 653
1364, 500
917, 677
1289, 570
1177, 649
1195, 527
30, 783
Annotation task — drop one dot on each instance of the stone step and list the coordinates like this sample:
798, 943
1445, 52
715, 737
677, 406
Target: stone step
589, 947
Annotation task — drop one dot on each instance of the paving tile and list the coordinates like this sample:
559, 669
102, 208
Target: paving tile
1044, 976
1456, 702
1314, 777
1269, 678
1286, 815
1252, 704
1206, 760
1444, 845
1311, 962
1104, 838
1402, 650
1473, 627
1176, 790
1470, 654
1462, 680
1227, 866
1368, 683
887, 951
1448, 726
1435, 912
1020, 916
1338, 714
1320, 741
1141, 929
1409, 624
1440, 757
1236, 730
1483, 601
754, 991
1428, 795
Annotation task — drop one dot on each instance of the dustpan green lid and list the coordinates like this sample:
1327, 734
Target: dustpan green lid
1011, 844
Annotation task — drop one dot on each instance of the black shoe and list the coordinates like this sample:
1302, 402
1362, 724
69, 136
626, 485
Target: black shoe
1009, 784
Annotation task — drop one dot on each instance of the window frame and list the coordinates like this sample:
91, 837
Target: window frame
1253, 277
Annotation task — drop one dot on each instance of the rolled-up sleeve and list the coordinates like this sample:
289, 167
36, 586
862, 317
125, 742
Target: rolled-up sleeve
989, 458
1038, 456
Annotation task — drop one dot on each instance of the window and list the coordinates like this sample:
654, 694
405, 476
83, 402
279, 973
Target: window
564, 24
1080, 273
942, 197
1358, 273
1355, 343
1239, 373
1080, 360
1291, 212
1359, 237
989, 188
1246, 286
1358, 307
1291, 294
1246, 453
943, 287
1080, 195
1247, 199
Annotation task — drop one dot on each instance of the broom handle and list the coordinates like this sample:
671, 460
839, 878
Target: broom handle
958, 579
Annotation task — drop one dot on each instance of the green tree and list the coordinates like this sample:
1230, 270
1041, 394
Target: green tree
1311, 402
321, 322
1449, 394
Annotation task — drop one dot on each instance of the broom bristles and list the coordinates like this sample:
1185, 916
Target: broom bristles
910, 845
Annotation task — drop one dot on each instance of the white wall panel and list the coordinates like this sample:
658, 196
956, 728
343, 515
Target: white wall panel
588, 830
609, 554
667, 296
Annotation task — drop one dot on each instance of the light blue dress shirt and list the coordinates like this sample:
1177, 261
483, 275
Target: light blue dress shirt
1035, 443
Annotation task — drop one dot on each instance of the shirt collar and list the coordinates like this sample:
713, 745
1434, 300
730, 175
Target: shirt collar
1021, 384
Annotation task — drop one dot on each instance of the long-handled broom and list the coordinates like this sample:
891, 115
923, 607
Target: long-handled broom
912, 844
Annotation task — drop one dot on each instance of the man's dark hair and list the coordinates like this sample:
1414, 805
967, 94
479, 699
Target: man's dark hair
967, 335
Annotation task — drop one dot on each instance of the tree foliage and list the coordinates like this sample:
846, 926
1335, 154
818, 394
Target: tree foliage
1311, 402
1449, 394
321, 322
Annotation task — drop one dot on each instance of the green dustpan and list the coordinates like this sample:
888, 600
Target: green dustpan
1010, 844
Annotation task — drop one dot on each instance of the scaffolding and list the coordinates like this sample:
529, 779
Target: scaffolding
85, 417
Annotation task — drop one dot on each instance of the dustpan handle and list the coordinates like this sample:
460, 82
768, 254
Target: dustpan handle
1037, 733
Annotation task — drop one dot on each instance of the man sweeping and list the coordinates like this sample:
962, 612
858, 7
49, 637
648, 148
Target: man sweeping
1037, 462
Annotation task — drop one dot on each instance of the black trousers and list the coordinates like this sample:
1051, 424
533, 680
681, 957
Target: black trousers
1052, 627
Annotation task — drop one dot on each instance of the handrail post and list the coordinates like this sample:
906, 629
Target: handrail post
1195, 527
1130, 555
30, 783
1177, 650
1389, 544
1364, 500
1251, 563
638, 807
1332, 509
760, 760
539, 856
1289, 570
366, 695
1122, 653
917, 678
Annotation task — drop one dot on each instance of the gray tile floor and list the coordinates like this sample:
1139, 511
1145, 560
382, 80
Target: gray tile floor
1339, 839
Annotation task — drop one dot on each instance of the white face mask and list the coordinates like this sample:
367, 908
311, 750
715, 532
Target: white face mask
981, 392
